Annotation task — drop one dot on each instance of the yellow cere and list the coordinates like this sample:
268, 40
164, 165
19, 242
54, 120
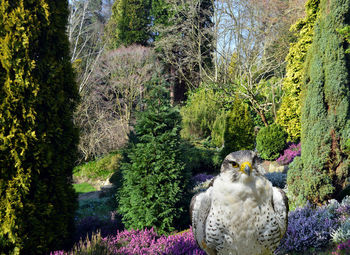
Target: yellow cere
244, 165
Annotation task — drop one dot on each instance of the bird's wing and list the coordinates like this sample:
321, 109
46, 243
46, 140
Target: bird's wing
280, 205
199, 210
273, 220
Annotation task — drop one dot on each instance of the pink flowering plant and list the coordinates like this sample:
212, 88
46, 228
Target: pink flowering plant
289, 154
139, 242
342, 248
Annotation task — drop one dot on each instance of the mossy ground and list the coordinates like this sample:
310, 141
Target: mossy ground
97, 171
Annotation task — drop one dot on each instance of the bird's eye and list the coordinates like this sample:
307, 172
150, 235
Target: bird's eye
234, 164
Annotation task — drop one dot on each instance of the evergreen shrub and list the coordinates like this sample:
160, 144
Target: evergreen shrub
155, 180
239, 129
296, 192
347, 147
199, 159
129, 23
270, 141
99, 169
199, 114
277, 179
218, 129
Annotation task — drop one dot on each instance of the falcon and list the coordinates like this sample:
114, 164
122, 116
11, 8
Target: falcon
241, 213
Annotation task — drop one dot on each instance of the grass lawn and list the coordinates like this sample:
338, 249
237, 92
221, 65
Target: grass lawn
83, 187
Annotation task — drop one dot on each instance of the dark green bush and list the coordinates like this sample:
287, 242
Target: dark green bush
239, 129
155, 179
270, 141
296, 196
199, 159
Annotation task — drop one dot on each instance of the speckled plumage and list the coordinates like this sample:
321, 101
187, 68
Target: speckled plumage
240, 213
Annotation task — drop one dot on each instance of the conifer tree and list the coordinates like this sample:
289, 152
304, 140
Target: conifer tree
322, 170
289, 113
160, 13
239, 129
129, 22
154, 176
37, 136
199, 114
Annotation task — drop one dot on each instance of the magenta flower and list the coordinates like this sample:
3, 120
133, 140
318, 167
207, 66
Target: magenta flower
289, 154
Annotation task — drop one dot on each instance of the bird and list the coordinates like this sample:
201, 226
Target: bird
241, 213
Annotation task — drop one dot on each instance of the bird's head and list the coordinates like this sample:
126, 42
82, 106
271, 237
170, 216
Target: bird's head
240, 163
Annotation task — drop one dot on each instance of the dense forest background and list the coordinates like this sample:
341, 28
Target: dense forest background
226, 48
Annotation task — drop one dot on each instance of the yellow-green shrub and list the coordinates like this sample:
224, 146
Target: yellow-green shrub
288, 115
239, 129
218, 129
199, 114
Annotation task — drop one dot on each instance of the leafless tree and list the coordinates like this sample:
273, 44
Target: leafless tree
185, 43
85, 32
107, 107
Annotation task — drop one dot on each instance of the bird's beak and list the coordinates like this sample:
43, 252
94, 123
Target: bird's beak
246, 168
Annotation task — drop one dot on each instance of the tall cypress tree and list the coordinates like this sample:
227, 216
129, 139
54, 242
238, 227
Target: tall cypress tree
37, 136
322, 171
130, 22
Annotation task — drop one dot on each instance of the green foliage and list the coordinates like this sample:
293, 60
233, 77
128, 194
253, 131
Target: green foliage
154, 177
99, 169
160, 12
347, 147
345, 33
239, 129
83, 187
37, 137
295, 183
218, 129
199, 159
270, 141
341, 234
97, 207
199, 114
129, 23
288, 115
325, 122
